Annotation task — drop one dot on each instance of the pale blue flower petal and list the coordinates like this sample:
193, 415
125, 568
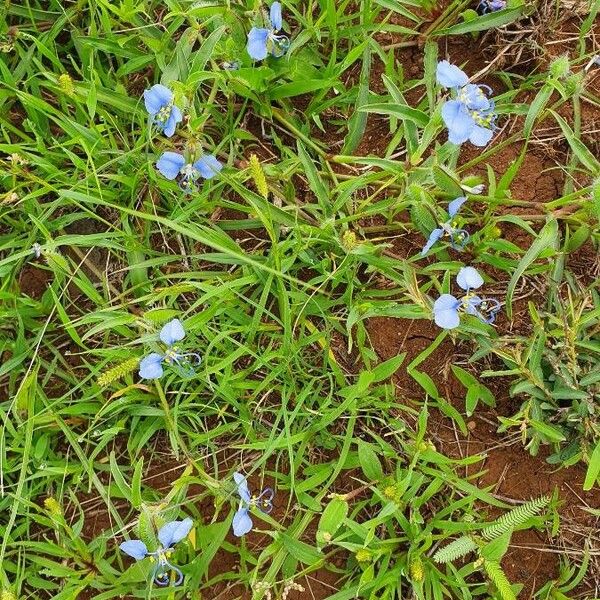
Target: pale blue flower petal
450, 76
174, 118
455, 205
151, 366
174, 532
242, 523
208, 166
472, 304
434, 236
469, 279
480, 136
446, 302
170, 164
275, 15
172, 332
459, 122
474, 97
257, 43
445, 312
157, 97
134, 548
447, 319
242, 486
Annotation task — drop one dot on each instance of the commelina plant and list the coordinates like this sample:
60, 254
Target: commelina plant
250, 256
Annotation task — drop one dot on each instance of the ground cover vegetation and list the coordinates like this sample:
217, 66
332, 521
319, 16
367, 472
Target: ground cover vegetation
300, 299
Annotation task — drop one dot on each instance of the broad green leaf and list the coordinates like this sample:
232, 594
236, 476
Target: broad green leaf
489, 21
546, 239
402, 112
593, 470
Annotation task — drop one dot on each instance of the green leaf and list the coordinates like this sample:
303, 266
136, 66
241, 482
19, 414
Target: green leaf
538, 104
369, 462
593, 470
466, 378
303, 552
118, 478
358, 121
447, 181
136, 483
386, 369
580, 150
552, 433
402, 112
547, 238
497, 548
490, 21
471, 400
202, 56
332, 518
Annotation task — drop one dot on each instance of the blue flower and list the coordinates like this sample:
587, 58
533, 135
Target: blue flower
447, 308
163, 113
263, 41
151, 365
470, 114
489, 6
458, 237
168, 536
242, 523
173, 165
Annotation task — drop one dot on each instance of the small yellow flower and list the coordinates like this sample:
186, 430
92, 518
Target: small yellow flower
390, 492
417, 572
66, 84
53, 507
363, 555
349, 240
258, 175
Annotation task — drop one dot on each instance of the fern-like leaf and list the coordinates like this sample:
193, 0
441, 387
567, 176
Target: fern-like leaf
456, 549
496, 574
422, 218
514, 518
118, 372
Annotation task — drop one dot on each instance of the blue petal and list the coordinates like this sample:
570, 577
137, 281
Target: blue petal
447, 319
208, 166
257, 43
480, 136
459, 122
242, 486
151, 366
434, 236
445, 311
450, 76
472, 304
172, 332
169, 164
157, 97
135, 548
275, 15
446, 302
474, 97
174, 532
455, 205
242, 523
469, 279
174, 118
